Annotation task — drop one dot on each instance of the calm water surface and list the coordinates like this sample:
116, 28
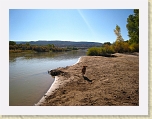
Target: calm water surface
28, 76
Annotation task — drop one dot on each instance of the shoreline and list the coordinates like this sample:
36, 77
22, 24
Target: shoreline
55, 85
108, 81
50, 91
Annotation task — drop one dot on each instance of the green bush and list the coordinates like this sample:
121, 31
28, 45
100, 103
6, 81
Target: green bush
108, 49
100, 51
126, 47
94, 51
12, 43
134, 47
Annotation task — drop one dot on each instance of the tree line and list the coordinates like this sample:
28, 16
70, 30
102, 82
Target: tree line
13, 47
121, 46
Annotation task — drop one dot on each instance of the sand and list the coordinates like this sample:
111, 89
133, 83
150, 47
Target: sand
109, 81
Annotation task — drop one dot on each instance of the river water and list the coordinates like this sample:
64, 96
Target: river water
28, 74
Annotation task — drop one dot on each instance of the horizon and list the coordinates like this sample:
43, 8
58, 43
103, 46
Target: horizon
56, 40
75, 25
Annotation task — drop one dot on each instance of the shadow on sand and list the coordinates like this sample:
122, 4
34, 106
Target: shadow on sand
85, 78
108, 55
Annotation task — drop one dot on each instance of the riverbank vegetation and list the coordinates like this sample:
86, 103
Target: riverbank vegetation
121, 46
15, 48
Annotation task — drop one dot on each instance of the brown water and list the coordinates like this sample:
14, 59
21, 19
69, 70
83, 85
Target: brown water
28, 74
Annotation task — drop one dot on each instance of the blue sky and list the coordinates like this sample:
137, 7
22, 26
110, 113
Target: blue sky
92, 25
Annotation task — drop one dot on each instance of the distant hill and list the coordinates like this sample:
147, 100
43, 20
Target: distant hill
63, 43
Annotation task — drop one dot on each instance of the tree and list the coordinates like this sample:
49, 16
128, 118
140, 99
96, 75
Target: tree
118, 34
133, 27
12, 43
118, 45
106, 43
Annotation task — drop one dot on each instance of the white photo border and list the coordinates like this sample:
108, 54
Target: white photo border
142, 109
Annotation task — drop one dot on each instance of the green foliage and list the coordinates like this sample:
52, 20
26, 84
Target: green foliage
51, 46
41, 48
94, 51
121, 46
118, 46
134, 47
133, 27
71, 48
12, 43
106, 43
126, 46
108, 48
13, 47
100, 51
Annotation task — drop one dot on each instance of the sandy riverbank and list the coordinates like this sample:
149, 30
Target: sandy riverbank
108, 81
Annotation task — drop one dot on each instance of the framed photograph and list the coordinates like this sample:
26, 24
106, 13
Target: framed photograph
64, 57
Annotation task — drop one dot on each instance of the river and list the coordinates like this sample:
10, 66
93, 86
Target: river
28, 74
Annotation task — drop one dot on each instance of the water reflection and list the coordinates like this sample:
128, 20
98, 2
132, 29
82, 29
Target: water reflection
28, 74
48, 55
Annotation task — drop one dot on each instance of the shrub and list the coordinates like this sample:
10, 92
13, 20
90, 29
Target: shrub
108, 49
94, 51
134, 47
126, 47
100, 51
12, 43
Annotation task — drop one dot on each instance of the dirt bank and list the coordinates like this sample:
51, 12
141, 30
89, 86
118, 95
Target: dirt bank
109, 81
